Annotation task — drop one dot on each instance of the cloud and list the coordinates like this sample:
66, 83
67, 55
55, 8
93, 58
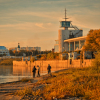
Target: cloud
49, 24
30, 26
39, 25
16, 16
5, 1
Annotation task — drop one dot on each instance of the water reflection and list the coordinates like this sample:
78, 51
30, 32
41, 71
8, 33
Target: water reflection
6, 70
22, 71
15, 73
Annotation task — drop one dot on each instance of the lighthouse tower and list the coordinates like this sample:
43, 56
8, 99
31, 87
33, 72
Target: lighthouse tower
69, 31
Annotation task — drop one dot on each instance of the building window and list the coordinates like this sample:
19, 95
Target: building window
71, 46
76, 45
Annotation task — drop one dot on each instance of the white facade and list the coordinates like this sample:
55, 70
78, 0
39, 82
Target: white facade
66, 34
74, 44
4, 51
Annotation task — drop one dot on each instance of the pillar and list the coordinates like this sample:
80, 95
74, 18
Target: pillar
83, 58
69, 46
79, 44
74, 45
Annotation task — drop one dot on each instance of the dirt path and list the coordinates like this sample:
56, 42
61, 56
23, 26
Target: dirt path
7, 89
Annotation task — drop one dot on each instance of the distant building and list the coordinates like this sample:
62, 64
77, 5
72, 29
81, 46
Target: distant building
37, 48
4, 51
70, 39
26, 48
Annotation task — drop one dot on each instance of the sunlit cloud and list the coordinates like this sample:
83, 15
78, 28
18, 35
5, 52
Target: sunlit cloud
39, 25
49, 24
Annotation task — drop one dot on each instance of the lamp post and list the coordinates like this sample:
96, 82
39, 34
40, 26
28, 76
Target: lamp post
63, 49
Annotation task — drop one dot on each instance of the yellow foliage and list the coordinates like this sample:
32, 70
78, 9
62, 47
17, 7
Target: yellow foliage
93, 40
73, 82
43, 57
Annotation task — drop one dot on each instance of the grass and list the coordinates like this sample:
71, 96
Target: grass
26, 80
25, 91
9, 61
83, 82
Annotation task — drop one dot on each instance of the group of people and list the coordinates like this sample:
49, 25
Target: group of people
38, 70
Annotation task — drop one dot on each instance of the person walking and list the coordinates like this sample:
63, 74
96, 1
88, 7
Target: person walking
38, 69
49, 69
34, 71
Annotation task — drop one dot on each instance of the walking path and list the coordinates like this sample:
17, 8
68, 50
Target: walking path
7, 89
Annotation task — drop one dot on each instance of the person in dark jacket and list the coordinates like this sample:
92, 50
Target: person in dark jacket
38, 69
34, 71
49, 69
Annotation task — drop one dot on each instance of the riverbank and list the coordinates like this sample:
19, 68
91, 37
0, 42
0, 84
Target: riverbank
8, 90
70, 84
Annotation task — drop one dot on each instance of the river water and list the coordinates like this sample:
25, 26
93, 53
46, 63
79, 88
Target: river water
15, 73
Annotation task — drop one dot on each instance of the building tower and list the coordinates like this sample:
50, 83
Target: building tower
68, 32
18, 48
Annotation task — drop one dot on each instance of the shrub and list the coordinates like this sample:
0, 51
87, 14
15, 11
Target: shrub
25, 80
64, 57
32, 59
96, 62
43, 57
50, 56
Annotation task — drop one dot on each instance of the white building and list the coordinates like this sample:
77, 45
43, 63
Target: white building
4, 51
26, 48
70, 39
37, 48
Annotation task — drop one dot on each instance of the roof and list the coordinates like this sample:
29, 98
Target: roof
75, 39
2, 47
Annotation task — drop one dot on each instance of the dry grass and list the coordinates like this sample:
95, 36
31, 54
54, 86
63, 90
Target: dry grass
26, 80
28, 91
25, 91
84, 82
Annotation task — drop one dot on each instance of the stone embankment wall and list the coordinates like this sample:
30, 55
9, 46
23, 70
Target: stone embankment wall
55, 64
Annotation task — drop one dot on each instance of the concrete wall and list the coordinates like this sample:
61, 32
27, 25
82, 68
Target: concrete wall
55, 64
88, 62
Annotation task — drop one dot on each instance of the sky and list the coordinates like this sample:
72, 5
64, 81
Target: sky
36, 22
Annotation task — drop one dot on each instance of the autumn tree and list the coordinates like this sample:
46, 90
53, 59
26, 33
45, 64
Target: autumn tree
93, 41
11, 53
14, 51
44, 57
50, 56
